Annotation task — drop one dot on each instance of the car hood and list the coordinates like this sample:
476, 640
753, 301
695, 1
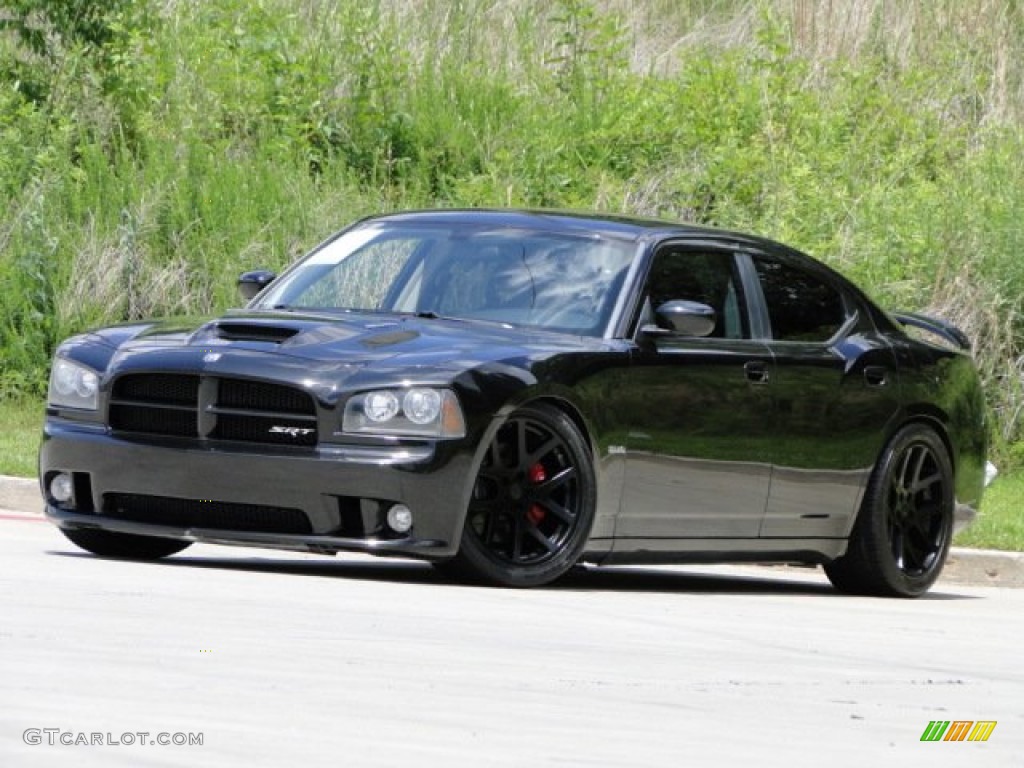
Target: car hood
326, 348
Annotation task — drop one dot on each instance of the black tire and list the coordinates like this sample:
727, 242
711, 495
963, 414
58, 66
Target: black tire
123, 545
532, 505
901, 537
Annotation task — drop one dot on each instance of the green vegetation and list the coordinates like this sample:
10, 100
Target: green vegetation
1000, 524
152, 149
21, 425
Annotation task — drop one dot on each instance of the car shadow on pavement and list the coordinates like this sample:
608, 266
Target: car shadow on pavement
753, 579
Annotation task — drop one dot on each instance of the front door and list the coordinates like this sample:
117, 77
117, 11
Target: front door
698, 409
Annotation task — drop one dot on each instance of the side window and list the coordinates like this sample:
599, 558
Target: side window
705, 276
800, 306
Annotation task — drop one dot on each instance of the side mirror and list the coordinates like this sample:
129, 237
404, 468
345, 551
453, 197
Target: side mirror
251, 283
688, 318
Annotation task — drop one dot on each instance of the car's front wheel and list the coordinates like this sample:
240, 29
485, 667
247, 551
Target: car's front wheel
532, 504
902, 535
123, 545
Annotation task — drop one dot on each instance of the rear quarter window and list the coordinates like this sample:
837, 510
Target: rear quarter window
801, 307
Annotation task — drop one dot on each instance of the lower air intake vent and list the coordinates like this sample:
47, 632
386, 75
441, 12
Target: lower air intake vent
192, 513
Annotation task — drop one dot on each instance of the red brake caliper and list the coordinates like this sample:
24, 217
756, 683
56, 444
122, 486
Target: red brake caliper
537, 475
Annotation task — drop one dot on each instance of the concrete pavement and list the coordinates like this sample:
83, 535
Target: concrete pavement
284, 659
20, 494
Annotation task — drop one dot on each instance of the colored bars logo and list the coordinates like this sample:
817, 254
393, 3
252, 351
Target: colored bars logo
958, 730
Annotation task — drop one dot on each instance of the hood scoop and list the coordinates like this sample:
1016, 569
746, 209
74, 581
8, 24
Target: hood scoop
274, 334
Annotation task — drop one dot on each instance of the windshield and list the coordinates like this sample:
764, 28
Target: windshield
515, 276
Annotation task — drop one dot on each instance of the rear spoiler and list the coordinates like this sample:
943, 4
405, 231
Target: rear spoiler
940, 328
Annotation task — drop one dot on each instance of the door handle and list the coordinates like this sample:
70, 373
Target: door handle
756, 371
876, 376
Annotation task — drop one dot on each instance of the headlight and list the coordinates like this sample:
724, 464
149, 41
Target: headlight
73, 385
420, 411
422, 406
380, 407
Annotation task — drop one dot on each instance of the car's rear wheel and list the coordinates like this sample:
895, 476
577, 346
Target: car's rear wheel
123, 545
532, 504
902, 535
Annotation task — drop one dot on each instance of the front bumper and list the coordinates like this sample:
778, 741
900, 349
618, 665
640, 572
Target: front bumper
323, 545
342, 491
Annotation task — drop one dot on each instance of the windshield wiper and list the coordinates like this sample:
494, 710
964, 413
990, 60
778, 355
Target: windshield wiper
429, 314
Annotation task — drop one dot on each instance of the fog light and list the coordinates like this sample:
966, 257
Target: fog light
62, 488
400, 518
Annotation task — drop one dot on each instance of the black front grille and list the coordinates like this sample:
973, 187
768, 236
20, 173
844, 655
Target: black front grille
153, 421
156, 404
265, 429
264, 396
194, 513
164, 388
186, 405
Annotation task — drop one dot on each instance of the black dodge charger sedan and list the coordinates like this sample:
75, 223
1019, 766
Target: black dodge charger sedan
508, 393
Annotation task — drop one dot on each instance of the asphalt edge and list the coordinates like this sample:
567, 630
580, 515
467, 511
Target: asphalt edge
20, 496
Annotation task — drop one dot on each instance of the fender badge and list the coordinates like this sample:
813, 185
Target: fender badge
211, 357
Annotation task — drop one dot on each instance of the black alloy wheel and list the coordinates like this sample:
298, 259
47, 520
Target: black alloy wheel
914, 510
902, 535
532, 503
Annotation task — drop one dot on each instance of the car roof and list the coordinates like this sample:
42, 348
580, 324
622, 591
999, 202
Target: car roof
622, 227
608, 225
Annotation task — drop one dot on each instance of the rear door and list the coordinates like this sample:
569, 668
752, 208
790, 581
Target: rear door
834, 392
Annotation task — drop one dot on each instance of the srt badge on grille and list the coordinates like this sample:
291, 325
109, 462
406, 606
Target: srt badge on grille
291, 431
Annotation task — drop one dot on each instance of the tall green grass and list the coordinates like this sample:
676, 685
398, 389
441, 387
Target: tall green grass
157, 151
1000, 524
21, 429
